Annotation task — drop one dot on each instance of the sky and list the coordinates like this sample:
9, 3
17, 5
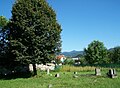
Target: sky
82, 21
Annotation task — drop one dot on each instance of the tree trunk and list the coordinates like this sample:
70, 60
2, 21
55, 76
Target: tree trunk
34, 70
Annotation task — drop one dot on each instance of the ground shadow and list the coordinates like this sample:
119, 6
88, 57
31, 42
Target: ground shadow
93, 75
16, 75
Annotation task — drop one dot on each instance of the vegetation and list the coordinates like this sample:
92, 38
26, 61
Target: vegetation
85, 79
34, 32
33, 36
69, 61
3, 21
69, 68
96, 53
114, 55
4, 31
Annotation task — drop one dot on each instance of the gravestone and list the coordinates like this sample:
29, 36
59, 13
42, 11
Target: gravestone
57, 75
97, 72
75, 73
48, 71
50, 86
112, 73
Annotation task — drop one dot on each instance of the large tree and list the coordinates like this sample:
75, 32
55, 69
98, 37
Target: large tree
96, 53
34, 32
3, 40
114, 54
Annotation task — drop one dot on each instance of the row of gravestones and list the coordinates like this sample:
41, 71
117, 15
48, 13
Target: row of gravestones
111, 73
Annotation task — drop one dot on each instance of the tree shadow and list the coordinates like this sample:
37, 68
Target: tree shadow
16, 75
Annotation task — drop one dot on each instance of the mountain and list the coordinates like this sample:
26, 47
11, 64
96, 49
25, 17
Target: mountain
73, 53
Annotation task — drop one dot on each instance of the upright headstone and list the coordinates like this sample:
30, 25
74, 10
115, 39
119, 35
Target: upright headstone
112, 73
30, 67
97, 72
75, 73
57, 75
48, 71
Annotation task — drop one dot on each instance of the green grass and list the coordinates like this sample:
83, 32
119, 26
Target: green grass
68, 68
86, 79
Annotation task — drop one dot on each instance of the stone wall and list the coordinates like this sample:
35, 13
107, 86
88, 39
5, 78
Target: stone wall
43, 67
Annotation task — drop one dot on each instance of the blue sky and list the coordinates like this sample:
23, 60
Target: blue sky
82, 21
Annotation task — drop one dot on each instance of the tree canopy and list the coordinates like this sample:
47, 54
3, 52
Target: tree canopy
34, 32
96, 53
114, 54
3, 21
3, 40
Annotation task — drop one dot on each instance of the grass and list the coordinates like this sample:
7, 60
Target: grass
68, 68
85, 79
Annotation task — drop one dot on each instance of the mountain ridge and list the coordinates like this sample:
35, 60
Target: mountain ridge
73, 53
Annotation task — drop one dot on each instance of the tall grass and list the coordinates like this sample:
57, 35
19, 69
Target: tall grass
69, 68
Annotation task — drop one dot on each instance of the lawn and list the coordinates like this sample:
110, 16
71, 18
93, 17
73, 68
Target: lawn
85, 79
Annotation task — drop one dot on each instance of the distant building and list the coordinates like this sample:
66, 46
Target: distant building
77, 61
75, 58
60, 58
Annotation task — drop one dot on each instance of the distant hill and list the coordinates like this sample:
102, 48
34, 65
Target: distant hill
73, 53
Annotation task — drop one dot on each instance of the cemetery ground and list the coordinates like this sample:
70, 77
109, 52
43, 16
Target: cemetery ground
84, 78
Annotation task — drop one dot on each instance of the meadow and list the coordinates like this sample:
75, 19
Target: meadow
85, 79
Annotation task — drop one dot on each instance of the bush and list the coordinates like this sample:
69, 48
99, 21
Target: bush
69, 61
57, 68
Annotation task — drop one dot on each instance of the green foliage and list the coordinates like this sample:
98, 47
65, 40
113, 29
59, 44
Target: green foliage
114, 55
34, 32
96, 53
3, 21
4, 31
57, 68
69, 61
83, 61
57, 61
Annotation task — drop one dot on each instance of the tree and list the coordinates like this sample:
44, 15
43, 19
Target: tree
3, 21
114, 54
3, 40
34, 32
96, 53
69, 61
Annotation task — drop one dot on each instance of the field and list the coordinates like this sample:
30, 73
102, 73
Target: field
85, 79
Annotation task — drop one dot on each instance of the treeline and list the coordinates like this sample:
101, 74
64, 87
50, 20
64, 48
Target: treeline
97, 53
